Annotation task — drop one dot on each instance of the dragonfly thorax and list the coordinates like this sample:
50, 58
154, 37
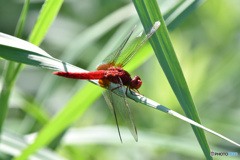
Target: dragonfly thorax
115, 74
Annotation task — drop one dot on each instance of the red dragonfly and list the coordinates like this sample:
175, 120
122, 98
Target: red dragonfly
112, 76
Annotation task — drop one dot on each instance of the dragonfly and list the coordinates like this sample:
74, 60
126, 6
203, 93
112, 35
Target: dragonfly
111, 76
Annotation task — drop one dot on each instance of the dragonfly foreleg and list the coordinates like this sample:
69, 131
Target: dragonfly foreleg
134, 93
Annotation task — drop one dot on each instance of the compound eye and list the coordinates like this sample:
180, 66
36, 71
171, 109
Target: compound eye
136, 83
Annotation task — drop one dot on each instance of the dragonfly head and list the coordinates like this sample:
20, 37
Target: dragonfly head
135, 83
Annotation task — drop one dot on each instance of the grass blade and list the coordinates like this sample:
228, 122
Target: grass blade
9, 77
46, 17
63, 119
22, 19
149, 13
12, 144
21, 51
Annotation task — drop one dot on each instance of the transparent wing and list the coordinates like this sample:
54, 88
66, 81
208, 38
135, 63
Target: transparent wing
108, 95
112, 58
124, 110
132, 47
118, 104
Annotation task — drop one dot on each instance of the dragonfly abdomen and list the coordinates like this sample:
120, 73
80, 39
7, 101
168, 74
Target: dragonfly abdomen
85, 75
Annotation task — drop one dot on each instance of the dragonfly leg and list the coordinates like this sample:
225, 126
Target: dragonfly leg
133, 92
136, 91
130, 91
116, 88
127, 90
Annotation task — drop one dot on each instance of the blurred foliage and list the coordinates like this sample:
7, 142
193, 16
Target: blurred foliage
207, 45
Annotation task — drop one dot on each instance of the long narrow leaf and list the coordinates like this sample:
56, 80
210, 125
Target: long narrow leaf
47, 15
9, 77
15, 49
12, 144
149, 12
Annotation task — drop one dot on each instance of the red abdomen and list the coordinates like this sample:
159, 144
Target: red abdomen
86, 75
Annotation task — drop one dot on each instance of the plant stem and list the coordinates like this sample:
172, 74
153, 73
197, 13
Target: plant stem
11, 72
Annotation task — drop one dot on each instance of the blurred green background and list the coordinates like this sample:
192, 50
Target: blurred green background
207, 46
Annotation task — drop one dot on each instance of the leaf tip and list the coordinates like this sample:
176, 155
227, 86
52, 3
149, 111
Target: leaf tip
156, 25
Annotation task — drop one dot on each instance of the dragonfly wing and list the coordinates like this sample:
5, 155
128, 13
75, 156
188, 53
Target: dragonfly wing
123, 108
112, 58
118, 104
108, 95
132, 47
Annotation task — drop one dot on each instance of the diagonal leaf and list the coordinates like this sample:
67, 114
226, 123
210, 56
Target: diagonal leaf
12, 144
47, 15
15, 49
149, 13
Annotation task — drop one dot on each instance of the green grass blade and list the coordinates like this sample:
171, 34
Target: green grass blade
149, 13
91, 33
180, 12
9, 77
12, 144
33, 109
5, 92
21, 51
64, 118
22, 19
47, 15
